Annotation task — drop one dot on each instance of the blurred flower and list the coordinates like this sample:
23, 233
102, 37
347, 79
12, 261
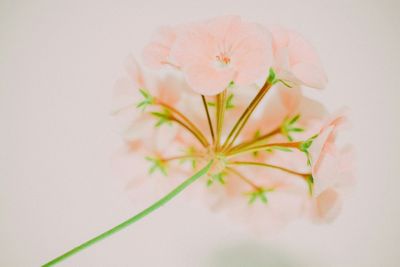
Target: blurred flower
279, 160
332, 170
296, 60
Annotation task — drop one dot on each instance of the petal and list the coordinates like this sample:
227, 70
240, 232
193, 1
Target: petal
155, 55
327, 206
305, 62
280, 37
194, 45
310, 75
251, 53
157, 52
207, 80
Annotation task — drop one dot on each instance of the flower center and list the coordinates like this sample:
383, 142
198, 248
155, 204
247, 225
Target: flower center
220, 161
223, 60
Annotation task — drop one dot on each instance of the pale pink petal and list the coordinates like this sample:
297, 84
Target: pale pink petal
280, 37
196, 44
310, 75
206, 80
251, 52
326, 206
222, 27
157, 52
295, 60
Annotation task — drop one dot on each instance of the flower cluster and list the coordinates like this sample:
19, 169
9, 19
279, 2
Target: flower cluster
233, 95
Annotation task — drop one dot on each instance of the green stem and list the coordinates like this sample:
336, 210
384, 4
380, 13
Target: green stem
263, 147
237, 128
304, 175
208, 117
187, 121
220, 112
255, 141
133, 219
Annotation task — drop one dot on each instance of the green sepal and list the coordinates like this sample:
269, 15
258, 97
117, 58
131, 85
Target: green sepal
164, 117
260, 193
229, 102
157, 164
218, 177
190, 152
305, 145
288, 127
211, 104
280, 148
285, 83
147, 101
271, 76
310, 183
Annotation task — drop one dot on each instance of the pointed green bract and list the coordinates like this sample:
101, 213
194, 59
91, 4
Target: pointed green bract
305, 145
288, 127
272, 76
261, 194
219, 177
157, 165
147, 101
164, 117
280, 148
229, 102
310, 183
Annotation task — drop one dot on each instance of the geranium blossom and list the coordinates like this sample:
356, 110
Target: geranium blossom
296, 60
269, 145
214, 53
332, 170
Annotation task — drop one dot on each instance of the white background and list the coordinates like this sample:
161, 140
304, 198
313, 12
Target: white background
58, 63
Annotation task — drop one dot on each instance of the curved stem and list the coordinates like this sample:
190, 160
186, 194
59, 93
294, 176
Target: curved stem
189, 123
263, 147
243, 178
133, 219
304, 175
181, 157
256, 140
220, 112
208, 117
201, 139
234, 133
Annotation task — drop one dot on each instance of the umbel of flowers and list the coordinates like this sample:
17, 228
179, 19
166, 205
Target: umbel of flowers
230, 114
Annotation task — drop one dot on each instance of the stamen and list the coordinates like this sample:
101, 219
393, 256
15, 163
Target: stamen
224, 59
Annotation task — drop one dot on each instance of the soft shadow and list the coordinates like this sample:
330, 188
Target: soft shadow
251, 254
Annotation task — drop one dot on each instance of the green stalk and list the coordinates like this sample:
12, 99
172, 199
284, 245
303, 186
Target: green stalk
131, 220
208, 117
220, 112
234, 133
261, 164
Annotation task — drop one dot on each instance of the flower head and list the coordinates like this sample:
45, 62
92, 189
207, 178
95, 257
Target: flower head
273, 150
214, 53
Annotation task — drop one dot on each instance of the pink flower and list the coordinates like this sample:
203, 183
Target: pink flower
259, 173
156, 54
222, 50
296, 60
136, 124
332, 171
333, 177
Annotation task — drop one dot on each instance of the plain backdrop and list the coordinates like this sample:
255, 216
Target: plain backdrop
58, 63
